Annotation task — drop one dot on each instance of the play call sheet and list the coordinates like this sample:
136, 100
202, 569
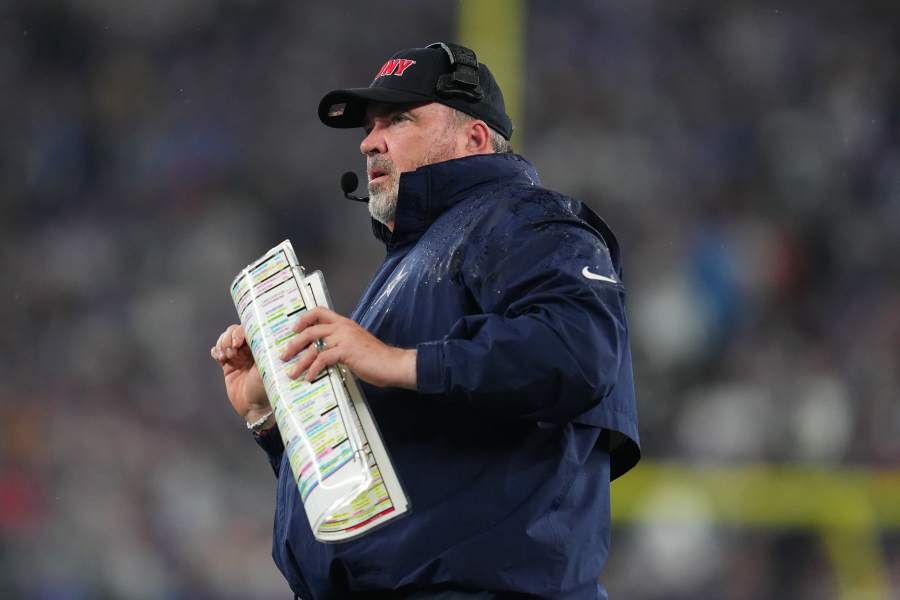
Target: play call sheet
340, 466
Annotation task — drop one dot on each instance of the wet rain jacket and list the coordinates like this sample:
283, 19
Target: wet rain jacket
513, 297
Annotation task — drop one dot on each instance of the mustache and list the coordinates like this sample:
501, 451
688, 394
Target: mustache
381, 163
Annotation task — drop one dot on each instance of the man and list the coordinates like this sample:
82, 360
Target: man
494, 349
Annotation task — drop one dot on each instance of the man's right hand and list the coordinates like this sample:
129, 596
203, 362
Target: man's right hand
243, 383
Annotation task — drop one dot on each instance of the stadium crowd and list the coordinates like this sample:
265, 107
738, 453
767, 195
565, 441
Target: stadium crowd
746, 153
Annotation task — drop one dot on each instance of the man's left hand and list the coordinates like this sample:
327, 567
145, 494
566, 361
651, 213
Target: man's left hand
347, 343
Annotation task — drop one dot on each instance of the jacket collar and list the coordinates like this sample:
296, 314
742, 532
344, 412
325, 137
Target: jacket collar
430, 190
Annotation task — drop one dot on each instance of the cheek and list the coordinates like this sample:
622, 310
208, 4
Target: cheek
406, 152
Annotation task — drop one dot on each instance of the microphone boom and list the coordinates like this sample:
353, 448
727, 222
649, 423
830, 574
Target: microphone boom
349, 183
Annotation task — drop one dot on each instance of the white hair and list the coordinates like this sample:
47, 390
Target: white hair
499, 143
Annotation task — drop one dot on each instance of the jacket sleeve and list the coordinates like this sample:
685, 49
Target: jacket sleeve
270, 441
552, 330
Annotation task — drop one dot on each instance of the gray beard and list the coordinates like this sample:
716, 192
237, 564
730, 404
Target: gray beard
383, 200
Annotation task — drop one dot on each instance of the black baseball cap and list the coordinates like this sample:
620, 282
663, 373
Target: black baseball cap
441, 72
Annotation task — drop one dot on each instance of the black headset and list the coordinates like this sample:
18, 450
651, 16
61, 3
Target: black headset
462, 81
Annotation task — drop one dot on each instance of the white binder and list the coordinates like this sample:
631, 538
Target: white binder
338, 459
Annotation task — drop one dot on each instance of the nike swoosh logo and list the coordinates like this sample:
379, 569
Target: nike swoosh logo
587, 273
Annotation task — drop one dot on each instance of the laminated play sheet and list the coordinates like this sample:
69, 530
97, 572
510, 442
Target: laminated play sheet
337, 457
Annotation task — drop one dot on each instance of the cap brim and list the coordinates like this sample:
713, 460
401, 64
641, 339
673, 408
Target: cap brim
347, 108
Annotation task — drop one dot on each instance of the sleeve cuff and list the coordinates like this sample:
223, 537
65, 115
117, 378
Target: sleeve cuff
430, 368
270, 441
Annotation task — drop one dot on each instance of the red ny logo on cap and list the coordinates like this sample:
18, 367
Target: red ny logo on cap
395, 66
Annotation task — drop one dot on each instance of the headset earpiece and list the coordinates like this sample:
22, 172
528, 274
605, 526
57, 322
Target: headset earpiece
463, 79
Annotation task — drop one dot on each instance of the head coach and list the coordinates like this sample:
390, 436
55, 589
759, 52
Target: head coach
494, 347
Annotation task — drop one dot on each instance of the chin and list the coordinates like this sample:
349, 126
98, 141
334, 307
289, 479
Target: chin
382, 207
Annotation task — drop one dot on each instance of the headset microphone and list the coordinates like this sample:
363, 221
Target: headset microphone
349, 183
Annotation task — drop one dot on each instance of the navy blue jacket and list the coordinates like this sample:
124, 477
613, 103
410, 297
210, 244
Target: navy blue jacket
512, 295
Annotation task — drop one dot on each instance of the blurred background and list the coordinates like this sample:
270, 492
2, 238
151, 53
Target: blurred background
746, 153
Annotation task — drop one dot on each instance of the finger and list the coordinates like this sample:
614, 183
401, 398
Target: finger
221, 345
237, 336
305, 338
307, 358
302, 340
226, 340
316, 315
324, 359
219, 356
303, 363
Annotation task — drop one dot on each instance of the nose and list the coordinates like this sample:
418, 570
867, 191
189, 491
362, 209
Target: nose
373, 143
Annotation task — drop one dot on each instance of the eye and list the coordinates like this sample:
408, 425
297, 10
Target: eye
399, 117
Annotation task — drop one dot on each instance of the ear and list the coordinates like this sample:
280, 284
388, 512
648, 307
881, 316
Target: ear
478, 138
